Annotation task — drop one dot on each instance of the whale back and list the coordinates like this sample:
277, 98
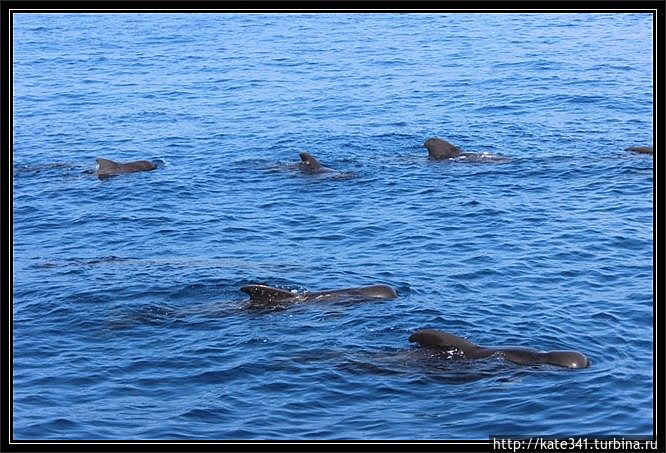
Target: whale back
262, 295
107, 167
523, 356
139, 165
362, 292
437, 339
641, 149
441, 149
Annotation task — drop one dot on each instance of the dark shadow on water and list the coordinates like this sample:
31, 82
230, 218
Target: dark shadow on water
55, 167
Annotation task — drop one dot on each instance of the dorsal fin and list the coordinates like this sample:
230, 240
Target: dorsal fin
309, 162
266, 294
105, 163
441, 149
439, 339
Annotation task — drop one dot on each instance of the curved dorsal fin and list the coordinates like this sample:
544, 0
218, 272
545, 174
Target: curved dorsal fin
441, 149
105, 163
266, 294
309, 163
439, 339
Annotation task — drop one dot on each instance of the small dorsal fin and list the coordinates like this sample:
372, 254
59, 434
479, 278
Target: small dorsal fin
266, 294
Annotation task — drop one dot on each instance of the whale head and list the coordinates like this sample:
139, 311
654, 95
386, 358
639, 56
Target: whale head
378, 292
568, 359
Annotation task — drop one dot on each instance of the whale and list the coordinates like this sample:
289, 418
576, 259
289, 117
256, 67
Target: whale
263, 296
107, 167
311, 165
460, 347
640, 149
439, 149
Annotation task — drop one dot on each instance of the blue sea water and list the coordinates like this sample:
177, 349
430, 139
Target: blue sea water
128, 322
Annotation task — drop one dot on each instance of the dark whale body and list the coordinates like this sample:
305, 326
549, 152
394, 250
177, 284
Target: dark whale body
439, 149
523, 356
109, 168
641, 149
262, 296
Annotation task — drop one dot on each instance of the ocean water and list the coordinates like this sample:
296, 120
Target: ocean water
128, 321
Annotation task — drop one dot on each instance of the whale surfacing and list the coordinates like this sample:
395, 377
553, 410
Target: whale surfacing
641, 149
263, 296
107, 167
436, 339
439, 149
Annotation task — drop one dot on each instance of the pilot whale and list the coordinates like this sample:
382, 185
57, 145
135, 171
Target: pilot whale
462, 348
641, 149
262, 296
108, 167
439, 149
